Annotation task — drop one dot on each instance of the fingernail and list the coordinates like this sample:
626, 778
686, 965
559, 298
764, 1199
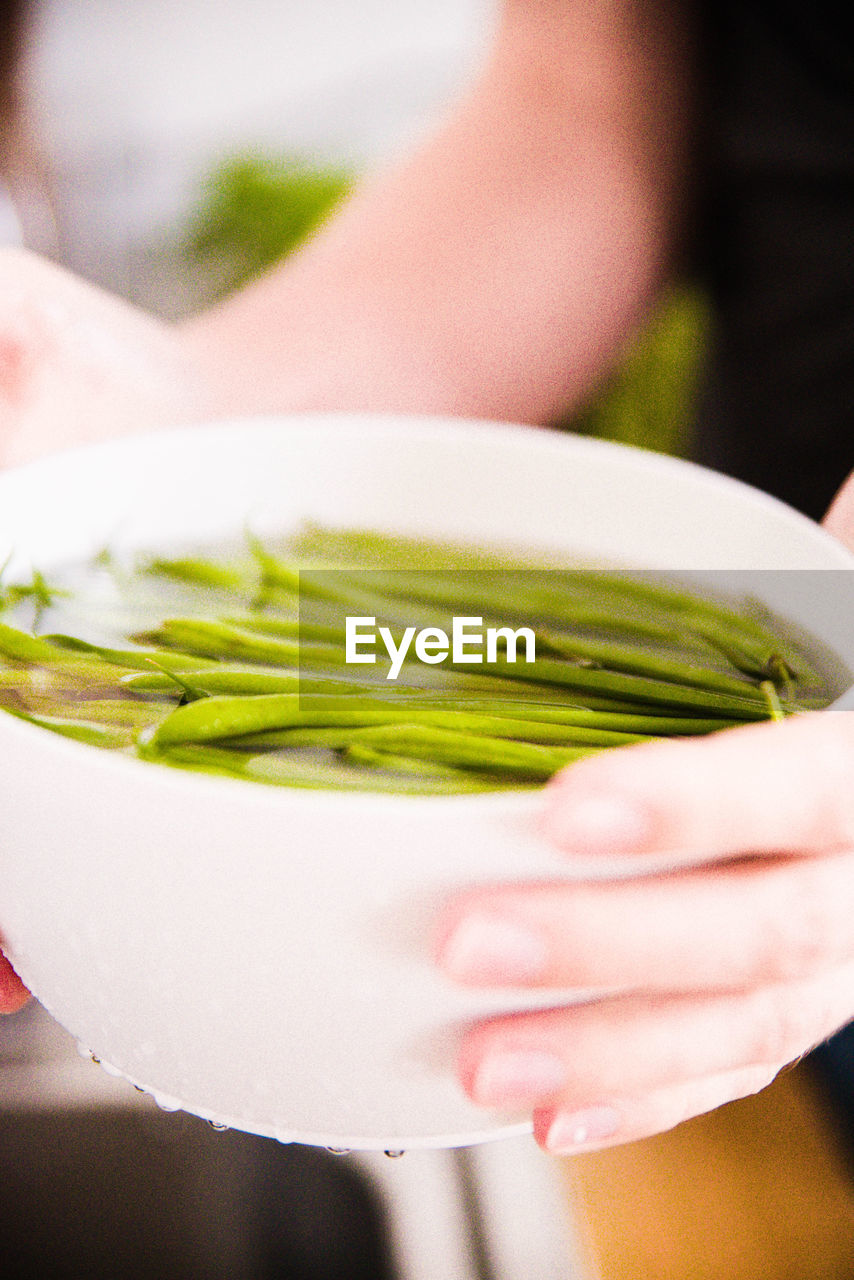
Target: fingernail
597, 824
489, 949
571, 1130
512, 1076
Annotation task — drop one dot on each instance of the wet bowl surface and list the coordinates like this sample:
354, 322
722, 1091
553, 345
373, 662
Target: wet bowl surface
263, 957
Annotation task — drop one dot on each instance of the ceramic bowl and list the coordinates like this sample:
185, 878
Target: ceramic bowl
262, 957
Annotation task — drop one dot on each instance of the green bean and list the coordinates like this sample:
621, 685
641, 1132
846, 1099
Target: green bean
221, 716
743, 640
287, 628
231, 680
516, 598
24, 678
189, 691
92, 733
328, 737
265, 715
337, 588
624, 722
274, 571
375, 549
359, 753
198, 571
22, 647
59, 681
521, 603
342, 588
519, 592
639, 660
264, 692
37, 590
775, 709
294, 771
521, 759
219, 640
125, 712
230, 717
133, 659
632, 688
642, 662
413, 562
50, 666
512, 730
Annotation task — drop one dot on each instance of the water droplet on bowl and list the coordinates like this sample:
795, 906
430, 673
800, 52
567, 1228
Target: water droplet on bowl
165, 1102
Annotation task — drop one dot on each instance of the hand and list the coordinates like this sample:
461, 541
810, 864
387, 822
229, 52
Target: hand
77, 365
13, 994
720, 973
840, 518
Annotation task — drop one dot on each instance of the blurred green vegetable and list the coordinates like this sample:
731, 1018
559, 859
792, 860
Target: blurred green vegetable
649, 400
256, 209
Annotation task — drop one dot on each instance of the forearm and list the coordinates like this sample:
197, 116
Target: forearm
498, 270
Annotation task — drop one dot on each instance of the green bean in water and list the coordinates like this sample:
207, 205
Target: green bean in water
214, 663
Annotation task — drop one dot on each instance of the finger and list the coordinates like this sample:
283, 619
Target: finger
574, 1057
840, 518
565, 1132
736, 925
13, 994
770, 786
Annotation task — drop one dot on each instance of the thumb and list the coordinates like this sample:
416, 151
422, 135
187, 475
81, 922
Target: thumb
840, 518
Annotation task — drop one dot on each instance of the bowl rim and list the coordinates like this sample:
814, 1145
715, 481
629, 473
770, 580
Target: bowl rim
385, 421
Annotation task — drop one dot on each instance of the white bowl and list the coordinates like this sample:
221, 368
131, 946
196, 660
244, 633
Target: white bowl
262, 957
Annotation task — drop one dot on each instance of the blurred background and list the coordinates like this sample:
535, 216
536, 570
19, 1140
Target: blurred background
154, 118
169, 151
174, 150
